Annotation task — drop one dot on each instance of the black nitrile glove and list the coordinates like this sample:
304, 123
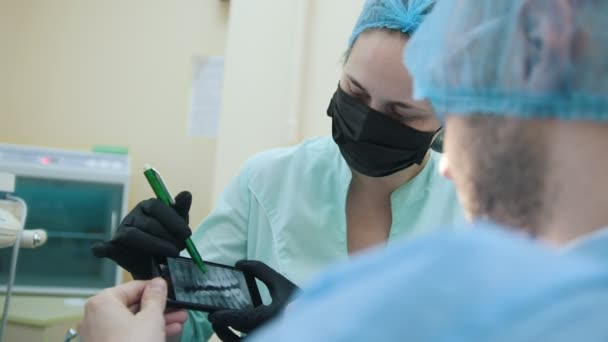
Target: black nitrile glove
247, 320
150, 229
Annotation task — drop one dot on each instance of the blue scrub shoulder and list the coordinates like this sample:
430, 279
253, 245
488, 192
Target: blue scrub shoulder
470, 284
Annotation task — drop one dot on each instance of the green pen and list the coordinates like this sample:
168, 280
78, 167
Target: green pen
163, 194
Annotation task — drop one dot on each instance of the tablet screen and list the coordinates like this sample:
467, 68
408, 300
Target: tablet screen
219, 287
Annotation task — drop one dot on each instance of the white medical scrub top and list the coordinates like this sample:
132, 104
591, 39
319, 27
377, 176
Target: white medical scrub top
483, 284
286, 208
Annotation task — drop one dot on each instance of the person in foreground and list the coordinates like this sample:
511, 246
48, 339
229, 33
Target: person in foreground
523, 89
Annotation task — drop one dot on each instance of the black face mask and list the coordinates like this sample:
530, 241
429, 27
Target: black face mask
371, 142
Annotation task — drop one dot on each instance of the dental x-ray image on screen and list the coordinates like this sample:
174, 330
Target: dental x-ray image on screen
218, 287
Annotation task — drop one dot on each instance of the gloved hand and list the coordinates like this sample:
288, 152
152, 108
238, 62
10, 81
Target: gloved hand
247, 320
150, 229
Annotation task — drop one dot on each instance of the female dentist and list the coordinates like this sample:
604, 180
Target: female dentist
300, 208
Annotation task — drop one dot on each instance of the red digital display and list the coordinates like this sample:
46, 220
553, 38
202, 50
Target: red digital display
45, 160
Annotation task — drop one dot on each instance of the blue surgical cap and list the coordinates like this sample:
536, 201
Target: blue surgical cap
401, 15
518, 58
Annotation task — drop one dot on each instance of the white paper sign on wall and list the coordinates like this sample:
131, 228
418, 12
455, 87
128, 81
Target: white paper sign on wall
206, 97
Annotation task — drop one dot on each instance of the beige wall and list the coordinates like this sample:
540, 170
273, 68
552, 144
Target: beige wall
283, 61
9, 16
331, 25
75, 73
83, 72
259, 72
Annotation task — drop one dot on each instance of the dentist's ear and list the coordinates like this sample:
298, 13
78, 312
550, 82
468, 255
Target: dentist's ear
444, 167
